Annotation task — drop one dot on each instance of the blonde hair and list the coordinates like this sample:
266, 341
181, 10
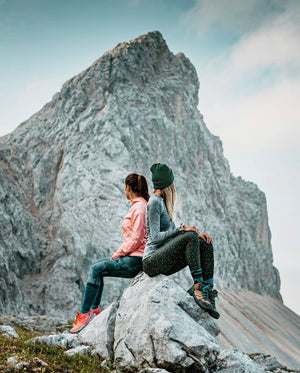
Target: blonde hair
169, 196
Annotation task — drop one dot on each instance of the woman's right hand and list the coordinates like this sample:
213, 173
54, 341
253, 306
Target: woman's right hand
204, 236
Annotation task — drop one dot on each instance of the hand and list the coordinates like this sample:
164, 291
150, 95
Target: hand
190, 229
205, 237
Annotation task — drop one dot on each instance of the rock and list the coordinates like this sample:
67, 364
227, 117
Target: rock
12, 361
35, 362
155, 324
234, 361
38, 323
66, 340
8, 331
102, 328
80, 350
153, 370
268, 363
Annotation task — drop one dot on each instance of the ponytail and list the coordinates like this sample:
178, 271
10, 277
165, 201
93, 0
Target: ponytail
138, 184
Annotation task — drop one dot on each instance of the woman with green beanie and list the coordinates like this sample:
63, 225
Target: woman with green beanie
169, 248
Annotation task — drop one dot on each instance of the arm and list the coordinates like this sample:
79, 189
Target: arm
136, 238
154, 212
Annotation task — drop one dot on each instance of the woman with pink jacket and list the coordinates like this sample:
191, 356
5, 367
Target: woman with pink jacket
126, 261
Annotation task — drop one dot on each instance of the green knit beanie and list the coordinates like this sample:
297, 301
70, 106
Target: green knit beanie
162, 175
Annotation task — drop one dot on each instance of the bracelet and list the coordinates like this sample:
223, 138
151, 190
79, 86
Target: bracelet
181, 229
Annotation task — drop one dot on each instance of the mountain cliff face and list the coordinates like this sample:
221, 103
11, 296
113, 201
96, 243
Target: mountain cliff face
62, 180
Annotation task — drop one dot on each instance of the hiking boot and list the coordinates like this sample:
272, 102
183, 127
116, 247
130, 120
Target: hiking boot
201, 295
82, 319
212, 295
95, 312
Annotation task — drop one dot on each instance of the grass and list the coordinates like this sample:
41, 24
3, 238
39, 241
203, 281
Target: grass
53, 355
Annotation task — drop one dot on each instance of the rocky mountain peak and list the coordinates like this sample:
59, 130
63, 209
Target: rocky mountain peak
62, 173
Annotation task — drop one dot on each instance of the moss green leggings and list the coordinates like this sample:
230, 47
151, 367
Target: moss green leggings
180, 251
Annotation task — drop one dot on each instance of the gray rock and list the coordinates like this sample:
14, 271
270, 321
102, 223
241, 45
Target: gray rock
153, 326
66, 340
13, 360
234, 361
38, 323
153, 370
80, 350
269, 363
8, 331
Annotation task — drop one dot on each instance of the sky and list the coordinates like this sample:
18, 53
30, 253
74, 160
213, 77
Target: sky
247, 56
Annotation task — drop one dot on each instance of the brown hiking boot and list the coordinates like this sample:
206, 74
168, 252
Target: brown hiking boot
201, 295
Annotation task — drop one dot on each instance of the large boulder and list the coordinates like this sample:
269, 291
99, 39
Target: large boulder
155, 323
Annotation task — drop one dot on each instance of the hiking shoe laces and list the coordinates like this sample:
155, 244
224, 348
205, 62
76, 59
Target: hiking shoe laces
201, 295
212, 296
82, 319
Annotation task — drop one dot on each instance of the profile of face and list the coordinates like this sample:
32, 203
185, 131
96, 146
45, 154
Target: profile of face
127, 191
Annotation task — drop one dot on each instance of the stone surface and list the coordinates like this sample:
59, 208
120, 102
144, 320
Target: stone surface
155, 324
66, 340
234, 361
8, 331
14, 362
80, 350
41, 324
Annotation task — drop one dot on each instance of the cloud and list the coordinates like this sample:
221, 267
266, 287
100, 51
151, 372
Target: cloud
233, 16
250, 91
274, 44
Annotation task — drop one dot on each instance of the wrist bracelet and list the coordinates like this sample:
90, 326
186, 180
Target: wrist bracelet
181, 229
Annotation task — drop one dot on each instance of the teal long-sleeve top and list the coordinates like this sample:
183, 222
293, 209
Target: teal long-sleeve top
160, 228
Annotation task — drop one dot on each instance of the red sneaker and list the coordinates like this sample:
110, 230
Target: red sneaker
94, 312
82, 319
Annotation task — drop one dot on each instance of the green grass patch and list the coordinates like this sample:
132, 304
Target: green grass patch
53, 355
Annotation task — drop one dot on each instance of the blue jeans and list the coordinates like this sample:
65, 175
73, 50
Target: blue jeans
125, 267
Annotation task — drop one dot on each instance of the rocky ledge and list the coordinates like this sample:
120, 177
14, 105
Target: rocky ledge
157, 326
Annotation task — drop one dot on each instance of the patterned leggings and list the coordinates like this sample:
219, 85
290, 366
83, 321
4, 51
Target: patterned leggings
180, 251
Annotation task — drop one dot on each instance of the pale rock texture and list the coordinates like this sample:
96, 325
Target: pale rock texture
234, 361
66, 340
155, 324
8, 331
80, 350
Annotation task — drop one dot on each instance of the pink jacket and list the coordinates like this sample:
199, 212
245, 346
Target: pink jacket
134, 230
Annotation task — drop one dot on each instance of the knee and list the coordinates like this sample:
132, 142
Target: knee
208, 246
193, 236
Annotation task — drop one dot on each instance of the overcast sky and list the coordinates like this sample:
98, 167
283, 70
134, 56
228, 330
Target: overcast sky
247, 55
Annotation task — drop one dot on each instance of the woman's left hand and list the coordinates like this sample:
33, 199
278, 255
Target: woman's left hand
205, 237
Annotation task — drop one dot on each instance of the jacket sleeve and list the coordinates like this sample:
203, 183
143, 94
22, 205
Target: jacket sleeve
136, 238
154, 212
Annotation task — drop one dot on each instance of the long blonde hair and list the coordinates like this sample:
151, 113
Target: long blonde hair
169, 196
